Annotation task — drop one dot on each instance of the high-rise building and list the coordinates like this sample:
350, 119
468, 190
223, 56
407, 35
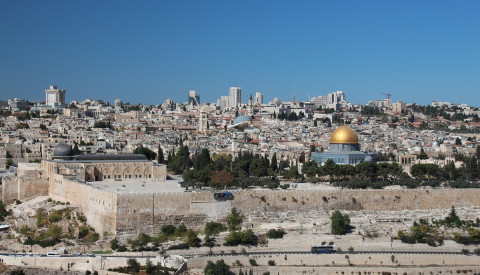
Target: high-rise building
258, 98
193, 98
54, 96
118, 103
235, 97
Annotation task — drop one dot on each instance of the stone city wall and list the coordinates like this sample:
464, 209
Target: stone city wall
32, 184
347, 199
340, 261
9, 190
100, 207
147, 213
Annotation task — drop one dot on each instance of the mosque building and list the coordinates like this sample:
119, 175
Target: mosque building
344, 149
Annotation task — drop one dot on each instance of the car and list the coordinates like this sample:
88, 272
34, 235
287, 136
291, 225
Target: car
90, 254
53, 254
76, 254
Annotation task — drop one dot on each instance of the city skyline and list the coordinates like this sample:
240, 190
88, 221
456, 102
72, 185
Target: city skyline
148, 52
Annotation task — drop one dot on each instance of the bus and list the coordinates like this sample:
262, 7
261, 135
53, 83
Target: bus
324, 249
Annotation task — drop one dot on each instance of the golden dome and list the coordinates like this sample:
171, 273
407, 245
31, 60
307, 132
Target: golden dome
344, 135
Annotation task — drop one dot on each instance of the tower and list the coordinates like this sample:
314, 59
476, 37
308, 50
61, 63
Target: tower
54, 96
258, 98
193, 98
118, 103
203, 121
235, 96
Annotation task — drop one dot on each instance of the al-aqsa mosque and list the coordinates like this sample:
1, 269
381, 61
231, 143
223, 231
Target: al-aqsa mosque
344, 149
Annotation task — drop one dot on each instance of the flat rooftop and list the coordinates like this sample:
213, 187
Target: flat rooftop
138, 186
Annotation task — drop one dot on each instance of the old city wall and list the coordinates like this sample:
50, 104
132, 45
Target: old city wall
147, 213
287, 264
31, 184
9, 190
311, 200
98, 206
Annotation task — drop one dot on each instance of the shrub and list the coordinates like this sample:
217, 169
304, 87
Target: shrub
340, 223
253, 262
133, 265
465, 251
83, 231
17, 272
179, 246
114, 244
168, 229
181, 230
82, 218
214, 228
240, 237
55, 216
217, 268
276, 233
271, 262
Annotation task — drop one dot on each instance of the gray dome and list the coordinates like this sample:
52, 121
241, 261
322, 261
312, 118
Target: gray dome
62, 150
241, 119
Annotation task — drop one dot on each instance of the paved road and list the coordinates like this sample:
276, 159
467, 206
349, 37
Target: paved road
250, 253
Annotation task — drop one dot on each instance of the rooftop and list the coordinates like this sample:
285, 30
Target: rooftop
138, 186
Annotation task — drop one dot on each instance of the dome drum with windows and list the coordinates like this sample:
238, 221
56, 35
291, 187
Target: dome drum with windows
344, 148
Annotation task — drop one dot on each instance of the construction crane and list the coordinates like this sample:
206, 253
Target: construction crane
388, 95
389, 100
294, 95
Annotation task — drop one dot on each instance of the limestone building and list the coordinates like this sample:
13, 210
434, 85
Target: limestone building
110, 189
344, 149
54, 96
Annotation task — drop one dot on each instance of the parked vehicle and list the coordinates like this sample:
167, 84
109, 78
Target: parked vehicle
53, 254
323, 249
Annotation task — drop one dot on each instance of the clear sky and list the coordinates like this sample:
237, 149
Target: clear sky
148, 51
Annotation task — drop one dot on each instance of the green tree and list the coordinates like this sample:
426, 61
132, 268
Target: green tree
145, 151
240, 237
276, 233
114, 244
161, 157
274, 165
133, 265
102, 124
217, 268
181, 161
340, 223
149, 268
422, 154
258, 168
8, 163
214, 228
168, 229
75, 150
458, 141
293, 172
202, 160
234, 220
191, 239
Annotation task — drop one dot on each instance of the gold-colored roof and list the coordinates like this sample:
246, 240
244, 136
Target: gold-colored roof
344, 135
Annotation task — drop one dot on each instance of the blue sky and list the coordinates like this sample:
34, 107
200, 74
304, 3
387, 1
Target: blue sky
148, 51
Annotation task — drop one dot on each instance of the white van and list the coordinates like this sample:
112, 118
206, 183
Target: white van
53, 254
